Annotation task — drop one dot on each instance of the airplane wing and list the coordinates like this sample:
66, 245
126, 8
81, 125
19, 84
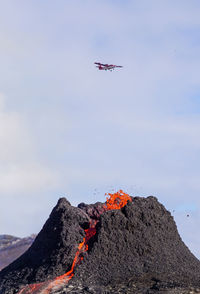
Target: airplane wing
106, 66
98, 63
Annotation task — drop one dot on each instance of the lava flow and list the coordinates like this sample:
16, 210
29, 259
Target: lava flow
113, 201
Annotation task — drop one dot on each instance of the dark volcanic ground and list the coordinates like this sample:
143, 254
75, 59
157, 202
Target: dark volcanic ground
136, 249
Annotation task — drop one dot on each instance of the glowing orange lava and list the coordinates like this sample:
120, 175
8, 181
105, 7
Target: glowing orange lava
117, 200
113, 201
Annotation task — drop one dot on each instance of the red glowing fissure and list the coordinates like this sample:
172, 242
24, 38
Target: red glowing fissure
113, 201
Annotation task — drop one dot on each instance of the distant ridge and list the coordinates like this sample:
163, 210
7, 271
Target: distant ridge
12, 247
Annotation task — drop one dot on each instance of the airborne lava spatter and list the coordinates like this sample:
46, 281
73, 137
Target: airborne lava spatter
117, 200
113, 201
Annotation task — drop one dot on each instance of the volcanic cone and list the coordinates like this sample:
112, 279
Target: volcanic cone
128, 245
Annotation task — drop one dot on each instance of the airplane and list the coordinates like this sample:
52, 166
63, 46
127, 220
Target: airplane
110, 67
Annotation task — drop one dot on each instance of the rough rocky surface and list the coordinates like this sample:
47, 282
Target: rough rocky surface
136, 249
52, 252
128, 288
138, 244
94, 211
12, 247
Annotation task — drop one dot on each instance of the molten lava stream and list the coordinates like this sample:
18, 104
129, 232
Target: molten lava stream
47, 287
114, 201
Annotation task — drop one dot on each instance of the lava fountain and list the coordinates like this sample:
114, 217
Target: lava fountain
113, 201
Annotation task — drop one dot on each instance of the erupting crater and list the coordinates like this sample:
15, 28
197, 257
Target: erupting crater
128, 243
113, 201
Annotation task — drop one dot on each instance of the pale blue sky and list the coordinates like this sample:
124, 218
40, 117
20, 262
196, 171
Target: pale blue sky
67, 129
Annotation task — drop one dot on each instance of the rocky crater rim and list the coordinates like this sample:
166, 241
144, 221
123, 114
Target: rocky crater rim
124, 239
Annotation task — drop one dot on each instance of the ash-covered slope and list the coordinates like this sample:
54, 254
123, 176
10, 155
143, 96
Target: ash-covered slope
136, 245
52, 252
12, 247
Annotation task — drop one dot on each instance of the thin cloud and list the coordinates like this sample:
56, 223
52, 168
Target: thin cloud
19, 171
74, 125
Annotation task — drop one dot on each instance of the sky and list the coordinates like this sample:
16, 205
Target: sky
70, 130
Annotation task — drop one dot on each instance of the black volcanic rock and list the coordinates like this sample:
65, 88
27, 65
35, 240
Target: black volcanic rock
12, 247
52, 252
94, 211
136, 249
138, 243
